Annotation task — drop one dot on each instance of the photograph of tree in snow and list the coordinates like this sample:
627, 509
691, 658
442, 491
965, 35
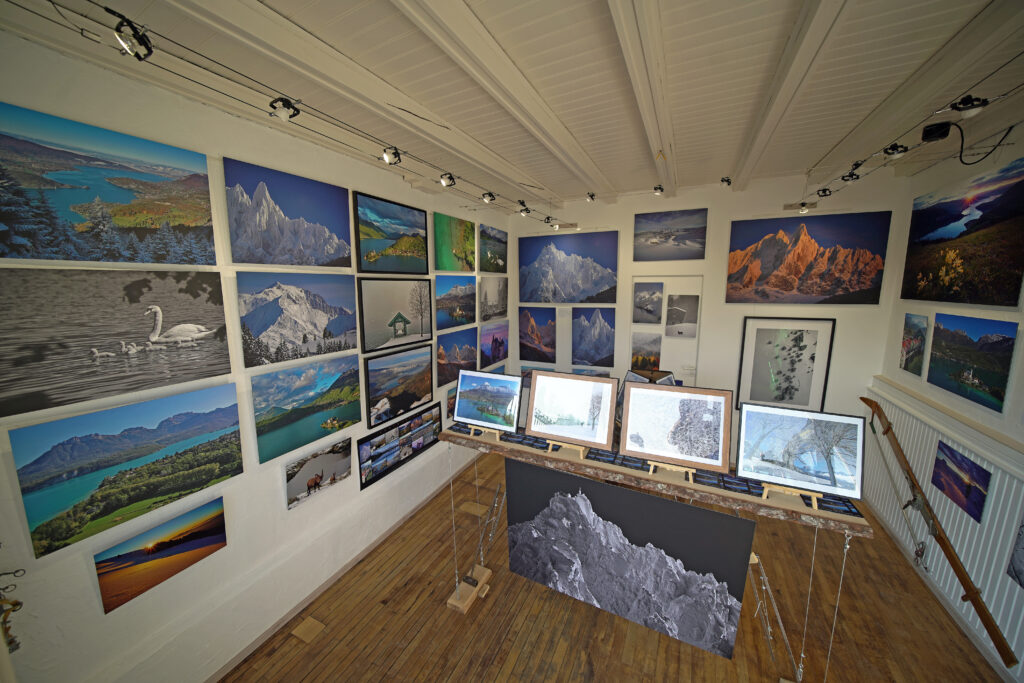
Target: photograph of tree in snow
672, 567
572, 408
677, 425
74, 192
805, 450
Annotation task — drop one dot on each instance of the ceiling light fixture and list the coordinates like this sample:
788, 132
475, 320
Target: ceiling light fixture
557, 226
969, 106
283, 108
824, 192
547, 219
726, 181
658, 189
895, 150
590, 196
391, 156
850, 177
131, 38
803, 207
447, 180
488, 197
523, 208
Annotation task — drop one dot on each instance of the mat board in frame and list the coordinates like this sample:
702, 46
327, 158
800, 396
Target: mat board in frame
580, 400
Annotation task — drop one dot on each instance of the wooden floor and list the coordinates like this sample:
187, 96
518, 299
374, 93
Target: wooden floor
386, 618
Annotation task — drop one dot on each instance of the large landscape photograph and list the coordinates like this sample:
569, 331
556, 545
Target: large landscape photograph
287, 316
284, 219
398, 382
670, 235
493, 250
455, 351
967, 241
537, 338
82, 475
971, 357
394, 312
455, 300
454, 243
672, 567
76, 192
77, 335
299, 405
578, 268
829, 259
390, 237
593, 336
131, 568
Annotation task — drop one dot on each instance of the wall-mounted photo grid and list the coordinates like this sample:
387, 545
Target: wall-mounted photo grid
664, 322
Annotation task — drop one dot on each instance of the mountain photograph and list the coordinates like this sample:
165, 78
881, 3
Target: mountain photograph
285, 316
493, 250
647, 302
284, 219
493, 342
832, 259
967, 242
390, 237
398, 382
645, 351
971, 357
593, 336
455, 351
670, 235
488, 401
455, 300
577, 268
537, 334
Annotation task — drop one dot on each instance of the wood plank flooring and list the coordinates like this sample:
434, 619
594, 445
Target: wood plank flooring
386, 618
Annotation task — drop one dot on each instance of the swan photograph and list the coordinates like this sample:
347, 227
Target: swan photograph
78, 335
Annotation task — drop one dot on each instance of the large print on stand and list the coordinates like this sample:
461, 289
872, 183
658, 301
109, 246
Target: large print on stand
76, 192
577, 268
77, 335
678, 569
85, 474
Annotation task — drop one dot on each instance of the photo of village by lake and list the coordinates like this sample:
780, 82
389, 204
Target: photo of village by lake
455, 300
390, 237
915, 331
299, 405
964, 481
394, 312
454, 243
133, 567
76, 192
971, 357
493, 250
82, 475
670, 235
317, 471
486, 400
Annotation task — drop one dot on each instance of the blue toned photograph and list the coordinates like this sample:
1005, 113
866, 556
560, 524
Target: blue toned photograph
577, 268
493, 342
593, 336
455, 351
537, 333
829, 259
82, 475
670, 235
971, 357
76, 192
390, 237
299, 405
455, 300
488, 400
286, 316
398, 382
284, 219
964, 481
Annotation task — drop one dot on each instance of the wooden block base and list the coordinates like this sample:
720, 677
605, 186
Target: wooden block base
773, 488
465, 594
688, 472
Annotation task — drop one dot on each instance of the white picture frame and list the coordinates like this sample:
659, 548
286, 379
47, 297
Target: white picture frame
469, 395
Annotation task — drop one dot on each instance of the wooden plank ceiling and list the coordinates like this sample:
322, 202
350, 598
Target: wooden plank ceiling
545, 101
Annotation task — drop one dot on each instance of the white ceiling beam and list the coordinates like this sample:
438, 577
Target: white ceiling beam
638, 26
277, 38
910, 102
454, 28
813, 26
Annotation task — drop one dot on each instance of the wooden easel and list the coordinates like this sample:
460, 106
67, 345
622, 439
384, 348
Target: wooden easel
815, 497
582, 450
688, 472
485, 430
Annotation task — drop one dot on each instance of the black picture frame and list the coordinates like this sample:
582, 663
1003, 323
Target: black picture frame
383, 294
375, 413
430, 428
795, 389
419, 230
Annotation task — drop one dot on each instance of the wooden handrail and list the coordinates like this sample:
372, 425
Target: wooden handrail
971, 592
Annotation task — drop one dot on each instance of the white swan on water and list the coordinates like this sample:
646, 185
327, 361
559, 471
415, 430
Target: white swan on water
150, 346
178, 333
96, 355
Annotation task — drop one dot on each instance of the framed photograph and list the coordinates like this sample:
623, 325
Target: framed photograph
493, 297
493, 342
784, 361
394, 312
537, 326
455, 300
493, 250
390, 237
645, 351
685, 426
670, 235
802, 449
915, 332
563, 269
573, 409
593, 336
964, 481
302, 404
284, 219
287, 316
793, 260
965, 241
681, 315
451, 403
92, 194
385, 450
971, 357
147, 559
487, 400
82, 475
398, 382
648, 300
454, 243
456, 351
317, 471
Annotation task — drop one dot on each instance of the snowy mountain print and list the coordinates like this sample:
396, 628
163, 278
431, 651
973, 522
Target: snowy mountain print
593, 336
305, 222
568, 269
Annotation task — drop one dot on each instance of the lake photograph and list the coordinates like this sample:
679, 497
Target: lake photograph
971, 357
455, 300
390, 237
670, 235
82, 475
493, 250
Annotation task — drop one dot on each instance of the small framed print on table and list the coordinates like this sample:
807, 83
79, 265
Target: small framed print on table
572, 409
784, 361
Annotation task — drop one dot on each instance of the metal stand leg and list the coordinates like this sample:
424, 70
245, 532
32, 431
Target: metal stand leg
835, 615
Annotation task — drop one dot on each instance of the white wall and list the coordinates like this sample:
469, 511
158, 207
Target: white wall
193, 624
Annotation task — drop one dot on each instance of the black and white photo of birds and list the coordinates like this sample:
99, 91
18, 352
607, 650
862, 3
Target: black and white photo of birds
77, 335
